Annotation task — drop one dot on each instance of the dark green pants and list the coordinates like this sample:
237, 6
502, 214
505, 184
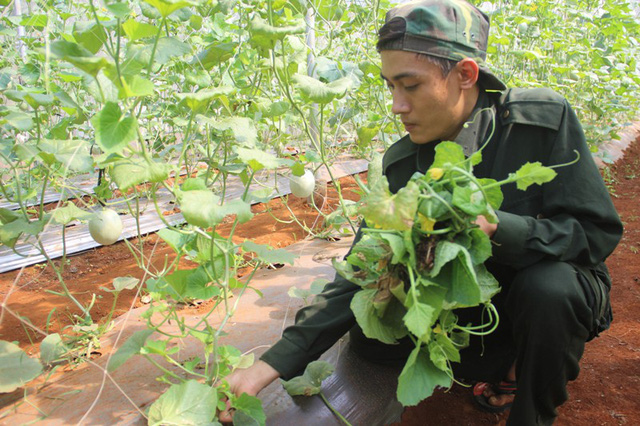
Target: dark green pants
544, 322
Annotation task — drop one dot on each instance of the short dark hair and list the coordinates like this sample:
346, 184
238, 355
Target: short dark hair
395, 29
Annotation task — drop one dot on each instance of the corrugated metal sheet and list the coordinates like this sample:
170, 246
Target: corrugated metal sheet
77, 238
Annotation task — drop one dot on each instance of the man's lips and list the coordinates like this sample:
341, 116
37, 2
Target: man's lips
409, 126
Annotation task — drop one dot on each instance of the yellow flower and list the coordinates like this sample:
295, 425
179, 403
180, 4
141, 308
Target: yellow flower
425, 223
435, 173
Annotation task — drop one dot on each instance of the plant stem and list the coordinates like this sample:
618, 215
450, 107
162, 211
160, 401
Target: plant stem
328, 404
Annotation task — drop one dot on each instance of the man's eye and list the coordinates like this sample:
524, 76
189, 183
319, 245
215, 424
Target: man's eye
411, 88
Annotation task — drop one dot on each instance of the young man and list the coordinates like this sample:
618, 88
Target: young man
548, 246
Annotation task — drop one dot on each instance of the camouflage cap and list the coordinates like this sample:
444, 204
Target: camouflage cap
449, 29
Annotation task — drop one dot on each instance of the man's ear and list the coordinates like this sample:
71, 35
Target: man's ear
468, 72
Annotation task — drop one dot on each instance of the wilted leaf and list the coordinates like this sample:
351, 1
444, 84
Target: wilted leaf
310, 382
386, 211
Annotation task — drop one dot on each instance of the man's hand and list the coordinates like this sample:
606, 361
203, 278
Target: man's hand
485, 226
249, 380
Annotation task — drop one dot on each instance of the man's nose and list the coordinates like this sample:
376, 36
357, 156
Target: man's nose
400, 104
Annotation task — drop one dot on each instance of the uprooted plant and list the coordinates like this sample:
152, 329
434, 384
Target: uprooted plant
422, 256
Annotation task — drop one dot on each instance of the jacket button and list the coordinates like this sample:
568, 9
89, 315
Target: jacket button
505, 114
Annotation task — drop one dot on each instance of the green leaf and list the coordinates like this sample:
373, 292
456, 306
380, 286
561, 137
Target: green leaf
366, 134
494, 194
268, 254
266, 36
297, 169
38, 21
419, 319
8, 216
441, 351
36, 100
135, 86
310, 383
488, 284
18, 120
480, 248
89, 35
249, 411
448, 153
273, 109
125, 283
119, 10
176, 240
10, 232
82, 58
313, 90
114, 131
316, 288
469, 200
532, 173
214, 55
203, 209
198, 285
460, 279
68, 213
73, 154
127, 173
187, 403
52, 349
167, 7
168, 48
372, 325
258, 159
16, 368
386, 211
199, 101
137, 30
434, 208
446, 251
419, 378
128, 349
243, 129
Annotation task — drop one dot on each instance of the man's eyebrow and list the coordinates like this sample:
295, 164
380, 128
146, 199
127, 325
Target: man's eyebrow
400, 76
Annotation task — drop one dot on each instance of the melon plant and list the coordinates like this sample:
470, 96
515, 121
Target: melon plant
421, 257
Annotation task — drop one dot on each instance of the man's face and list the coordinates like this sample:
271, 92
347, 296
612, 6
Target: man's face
430, 106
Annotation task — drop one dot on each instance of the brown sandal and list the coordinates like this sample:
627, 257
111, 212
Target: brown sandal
505, 387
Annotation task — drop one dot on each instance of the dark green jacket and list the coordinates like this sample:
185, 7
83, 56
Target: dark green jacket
570, 219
